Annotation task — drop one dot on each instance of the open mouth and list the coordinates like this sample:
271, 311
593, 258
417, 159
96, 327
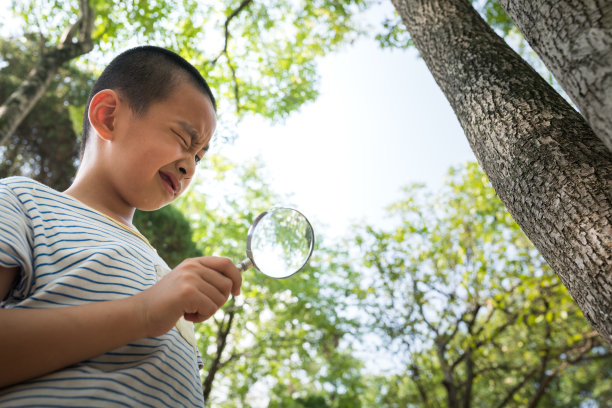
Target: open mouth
170, 183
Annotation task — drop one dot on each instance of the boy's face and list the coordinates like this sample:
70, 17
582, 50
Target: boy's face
154, 156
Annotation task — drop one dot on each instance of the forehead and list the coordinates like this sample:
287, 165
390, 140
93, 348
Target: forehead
192, 110
192, 132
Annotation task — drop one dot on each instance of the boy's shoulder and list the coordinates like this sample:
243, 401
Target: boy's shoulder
31, 195
23, 183
26, 192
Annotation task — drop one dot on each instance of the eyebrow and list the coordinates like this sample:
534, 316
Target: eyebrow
192, 132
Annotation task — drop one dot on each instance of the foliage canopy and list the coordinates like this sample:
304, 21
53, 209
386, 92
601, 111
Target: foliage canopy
471, 309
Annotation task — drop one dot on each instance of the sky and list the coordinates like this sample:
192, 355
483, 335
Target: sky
380, 123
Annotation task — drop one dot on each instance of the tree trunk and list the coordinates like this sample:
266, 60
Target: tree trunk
574, 39
452, 399
466, 398
25, 97
544, 161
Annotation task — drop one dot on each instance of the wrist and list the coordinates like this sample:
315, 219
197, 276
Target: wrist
138, 314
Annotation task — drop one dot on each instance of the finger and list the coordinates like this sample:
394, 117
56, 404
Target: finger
226, 267
205, 273
201, 310
217, 279
201, 280
216, 292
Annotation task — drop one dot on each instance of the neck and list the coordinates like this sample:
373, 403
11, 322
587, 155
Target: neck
98, 194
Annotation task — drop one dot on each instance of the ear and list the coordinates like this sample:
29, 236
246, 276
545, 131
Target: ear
102, 113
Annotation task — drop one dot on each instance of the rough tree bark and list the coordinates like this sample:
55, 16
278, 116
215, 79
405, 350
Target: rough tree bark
574, 39
23, 99
544, 161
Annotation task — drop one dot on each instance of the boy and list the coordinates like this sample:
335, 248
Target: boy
89, 310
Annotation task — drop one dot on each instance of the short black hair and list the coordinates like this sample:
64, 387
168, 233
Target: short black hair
143, 75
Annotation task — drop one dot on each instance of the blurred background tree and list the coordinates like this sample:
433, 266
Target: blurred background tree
45, 146
281, 338
471, 310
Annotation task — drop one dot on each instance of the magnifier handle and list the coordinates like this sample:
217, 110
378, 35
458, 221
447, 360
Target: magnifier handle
244, 265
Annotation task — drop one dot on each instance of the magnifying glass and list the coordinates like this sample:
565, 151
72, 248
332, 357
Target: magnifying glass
279, 243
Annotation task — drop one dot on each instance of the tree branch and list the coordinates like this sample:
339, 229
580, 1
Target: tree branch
590, 341
543, 379
222, 334
235, 81
516, 388
22, 100
469, 381
500, 329
243, 5
416, 379
447, 371
422, 311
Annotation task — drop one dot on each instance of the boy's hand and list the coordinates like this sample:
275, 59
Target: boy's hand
195, 289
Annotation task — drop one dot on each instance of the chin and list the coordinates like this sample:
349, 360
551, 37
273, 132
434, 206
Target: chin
149, 209
152, 206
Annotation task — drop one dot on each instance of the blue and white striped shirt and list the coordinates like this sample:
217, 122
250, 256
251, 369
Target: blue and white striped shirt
69, 254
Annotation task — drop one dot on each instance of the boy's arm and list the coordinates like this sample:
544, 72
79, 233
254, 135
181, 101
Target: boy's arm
34, 342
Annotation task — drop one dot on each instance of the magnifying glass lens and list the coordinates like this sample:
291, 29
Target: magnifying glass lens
279, 243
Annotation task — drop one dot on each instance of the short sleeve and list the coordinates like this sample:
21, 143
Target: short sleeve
15, 234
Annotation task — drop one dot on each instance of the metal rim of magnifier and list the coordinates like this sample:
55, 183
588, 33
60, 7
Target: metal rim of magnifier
249, 253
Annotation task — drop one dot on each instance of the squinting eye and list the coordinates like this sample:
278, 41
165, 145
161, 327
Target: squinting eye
198, 159
184, 142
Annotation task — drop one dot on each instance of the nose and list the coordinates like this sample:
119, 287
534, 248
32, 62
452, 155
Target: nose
186, 166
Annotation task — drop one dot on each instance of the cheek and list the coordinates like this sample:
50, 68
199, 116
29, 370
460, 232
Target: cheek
156, 156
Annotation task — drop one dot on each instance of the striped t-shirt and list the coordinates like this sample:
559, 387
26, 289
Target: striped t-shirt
69, 254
